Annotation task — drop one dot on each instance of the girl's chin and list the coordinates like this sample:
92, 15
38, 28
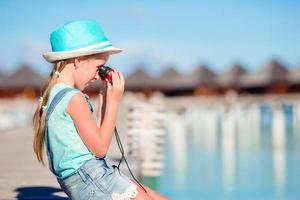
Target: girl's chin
85, 86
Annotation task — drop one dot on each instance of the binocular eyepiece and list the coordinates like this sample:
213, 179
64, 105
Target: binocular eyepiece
104, 72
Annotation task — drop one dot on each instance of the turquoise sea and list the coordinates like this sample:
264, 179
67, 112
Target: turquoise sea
245, 163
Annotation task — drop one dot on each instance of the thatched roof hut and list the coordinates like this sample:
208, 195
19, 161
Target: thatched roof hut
232, 77
294, 76
169, 73
273, 73
139, 80
201, 76
206, 77
274, 77
24, 77
2, 79
23, 82
201, 81
168, 79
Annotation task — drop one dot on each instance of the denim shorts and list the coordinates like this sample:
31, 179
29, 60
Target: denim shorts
97, 179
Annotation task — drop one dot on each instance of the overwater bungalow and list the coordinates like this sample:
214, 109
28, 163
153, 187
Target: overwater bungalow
272, 78
203, 80
294, 80
170, 82
232, 78
24, 82
140, 81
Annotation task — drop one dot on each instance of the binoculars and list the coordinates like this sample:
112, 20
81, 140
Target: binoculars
104, 73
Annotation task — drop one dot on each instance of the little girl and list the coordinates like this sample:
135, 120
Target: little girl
76, 145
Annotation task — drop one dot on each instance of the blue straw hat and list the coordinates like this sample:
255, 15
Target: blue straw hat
78, 38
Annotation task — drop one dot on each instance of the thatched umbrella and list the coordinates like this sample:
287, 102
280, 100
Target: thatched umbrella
232, 77
272, 73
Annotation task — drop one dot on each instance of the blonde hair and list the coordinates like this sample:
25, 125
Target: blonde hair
39, 117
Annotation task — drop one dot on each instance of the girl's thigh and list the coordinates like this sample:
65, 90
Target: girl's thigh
151, 194
142, 195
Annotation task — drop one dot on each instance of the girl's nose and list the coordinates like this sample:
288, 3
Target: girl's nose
97, 76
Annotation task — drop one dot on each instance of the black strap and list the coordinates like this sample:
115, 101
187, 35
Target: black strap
123, 158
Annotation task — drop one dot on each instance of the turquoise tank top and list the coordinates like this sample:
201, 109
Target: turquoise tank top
69, 151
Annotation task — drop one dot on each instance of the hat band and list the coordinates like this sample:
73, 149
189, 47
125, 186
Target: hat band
100, 45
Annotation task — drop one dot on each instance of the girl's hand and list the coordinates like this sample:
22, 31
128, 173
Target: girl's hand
115, 89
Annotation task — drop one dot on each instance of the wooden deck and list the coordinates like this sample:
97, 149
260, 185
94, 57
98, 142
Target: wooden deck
22, 177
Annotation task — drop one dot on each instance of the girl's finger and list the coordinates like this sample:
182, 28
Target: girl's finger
119, 76
109, 85
118, 72
121, 81
122, 78
115, 78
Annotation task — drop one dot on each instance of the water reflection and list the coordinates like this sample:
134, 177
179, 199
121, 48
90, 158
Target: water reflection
228, 147
278, 142
233, 152
178, 147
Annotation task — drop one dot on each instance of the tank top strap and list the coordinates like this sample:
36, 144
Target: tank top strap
56, 100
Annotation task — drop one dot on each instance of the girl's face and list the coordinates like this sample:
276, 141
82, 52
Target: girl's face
86, 70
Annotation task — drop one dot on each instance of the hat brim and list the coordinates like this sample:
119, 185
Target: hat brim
56, 56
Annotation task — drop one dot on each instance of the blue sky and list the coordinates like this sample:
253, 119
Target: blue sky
157, 34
